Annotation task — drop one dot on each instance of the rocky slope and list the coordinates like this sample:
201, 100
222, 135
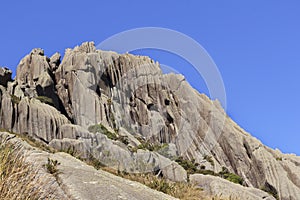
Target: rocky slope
121, 110
77, 180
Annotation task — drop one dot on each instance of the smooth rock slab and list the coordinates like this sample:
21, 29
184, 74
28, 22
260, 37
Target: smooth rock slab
84, 182
216, 186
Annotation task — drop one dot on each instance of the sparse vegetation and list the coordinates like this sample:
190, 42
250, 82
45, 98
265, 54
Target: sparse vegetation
233, 178
151, 146
31, 141
230, 176
18, 178
15, 99
93, 162
99, 128
267, 187
192, 167
71, 150
279, 158
189, 166
109, 101
181, 190
51, 166
35, 143
209, 159
146, 145
124, 139
45, 100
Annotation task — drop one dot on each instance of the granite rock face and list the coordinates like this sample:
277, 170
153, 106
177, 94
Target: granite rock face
121, 110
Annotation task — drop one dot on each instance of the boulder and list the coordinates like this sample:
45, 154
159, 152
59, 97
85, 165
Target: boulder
218, 187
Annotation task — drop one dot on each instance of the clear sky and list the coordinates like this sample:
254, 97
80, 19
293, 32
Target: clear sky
256, 46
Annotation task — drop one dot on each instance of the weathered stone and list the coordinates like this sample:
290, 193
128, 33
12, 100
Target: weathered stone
38, 119
218, 187
174, 172
55, 61
31, 67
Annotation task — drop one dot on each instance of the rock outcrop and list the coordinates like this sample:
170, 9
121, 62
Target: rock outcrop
216, 186
77, 180
121, 110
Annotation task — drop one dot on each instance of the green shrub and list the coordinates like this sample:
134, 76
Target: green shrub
192, 167
15, 99
99, 128
51, 166
45, 100
233, 178
124, 139
230, 176
147, 145
189, 166
206, 172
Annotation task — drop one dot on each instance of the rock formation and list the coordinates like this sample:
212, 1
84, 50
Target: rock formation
77, 180
121, 110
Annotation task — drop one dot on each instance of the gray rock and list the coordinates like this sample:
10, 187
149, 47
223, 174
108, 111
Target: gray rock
218, 187
84, 182
72, 131
77, 180
117, 156
174, 172
38, 119
55, 61
31, 67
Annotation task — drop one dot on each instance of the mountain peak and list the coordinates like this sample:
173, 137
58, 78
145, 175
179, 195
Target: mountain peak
123, 112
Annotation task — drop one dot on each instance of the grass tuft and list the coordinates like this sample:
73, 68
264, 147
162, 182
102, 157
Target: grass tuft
19, 179
45, 100
51, 166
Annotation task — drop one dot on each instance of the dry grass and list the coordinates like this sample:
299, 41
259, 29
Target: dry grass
31, 141
19, 179
181, 190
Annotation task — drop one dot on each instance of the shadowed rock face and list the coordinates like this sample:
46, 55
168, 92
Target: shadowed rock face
5, 76
58, 101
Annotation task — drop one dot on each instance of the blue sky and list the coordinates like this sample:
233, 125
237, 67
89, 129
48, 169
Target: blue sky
256, 46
